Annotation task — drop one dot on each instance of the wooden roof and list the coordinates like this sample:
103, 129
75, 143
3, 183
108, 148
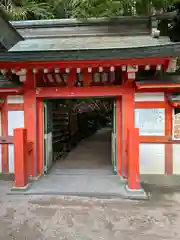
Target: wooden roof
70, 39
122, 26
89, 43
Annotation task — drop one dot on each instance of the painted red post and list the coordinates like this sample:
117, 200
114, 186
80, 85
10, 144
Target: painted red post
119, 135
128, 123
20, 153
30, 117
133, 159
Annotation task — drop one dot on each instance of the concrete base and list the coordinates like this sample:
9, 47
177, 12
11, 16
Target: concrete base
35, 178
122, 180
92, 185
136, 193
20, 189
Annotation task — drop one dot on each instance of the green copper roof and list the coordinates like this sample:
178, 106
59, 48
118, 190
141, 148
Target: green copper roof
70, 39
122, 26
88, 43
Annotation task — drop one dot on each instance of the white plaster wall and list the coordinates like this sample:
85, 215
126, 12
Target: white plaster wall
11, 158
176, 158
152, 158
0, 144
15, 99
49, 150
151, 122
15, 120
149, 97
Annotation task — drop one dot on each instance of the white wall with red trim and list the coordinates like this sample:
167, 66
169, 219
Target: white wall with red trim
157, 158
15, 119
176, 159
152, 155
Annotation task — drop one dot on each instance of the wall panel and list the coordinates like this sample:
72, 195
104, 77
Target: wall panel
152, 158
15, 99
149, 97
176, 158
15, 120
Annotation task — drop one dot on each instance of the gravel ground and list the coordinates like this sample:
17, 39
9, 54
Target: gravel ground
55, 217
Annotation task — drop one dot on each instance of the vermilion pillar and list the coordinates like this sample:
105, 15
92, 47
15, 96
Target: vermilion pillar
133, 159
128, 123
119, 134
30, 119
128, 112
20, 157
168, 132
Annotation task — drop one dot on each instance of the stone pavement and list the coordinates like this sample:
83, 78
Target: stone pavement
91, 185
86, 171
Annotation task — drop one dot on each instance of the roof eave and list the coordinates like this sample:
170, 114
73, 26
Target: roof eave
78, 22
169, 50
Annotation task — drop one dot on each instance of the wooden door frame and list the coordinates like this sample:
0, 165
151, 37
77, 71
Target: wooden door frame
114, 91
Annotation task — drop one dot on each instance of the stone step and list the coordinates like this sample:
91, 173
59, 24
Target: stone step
82, 172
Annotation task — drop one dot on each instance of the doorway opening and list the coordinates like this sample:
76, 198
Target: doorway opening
79, 136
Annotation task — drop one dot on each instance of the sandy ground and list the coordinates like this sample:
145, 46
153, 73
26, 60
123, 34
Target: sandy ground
55, 217
74, 218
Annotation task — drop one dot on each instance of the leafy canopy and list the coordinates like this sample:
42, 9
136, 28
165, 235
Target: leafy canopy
45, 9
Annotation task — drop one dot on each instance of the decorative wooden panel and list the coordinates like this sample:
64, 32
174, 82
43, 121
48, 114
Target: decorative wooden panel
176, 126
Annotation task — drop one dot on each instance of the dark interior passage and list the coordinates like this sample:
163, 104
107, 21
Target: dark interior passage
81, 134
93, 152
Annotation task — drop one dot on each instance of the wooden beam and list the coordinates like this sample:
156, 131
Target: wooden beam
152, 86
174, 104
86, 80
11, 91
85, 63
15, 107
6, 140
153, 139
150, 104
129, 78
147, 90
94, 91
71, 78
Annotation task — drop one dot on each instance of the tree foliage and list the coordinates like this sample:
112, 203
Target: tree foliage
44, 9
26, 9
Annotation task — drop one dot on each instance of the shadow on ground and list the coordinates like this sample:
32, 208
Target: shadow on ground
157, 186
